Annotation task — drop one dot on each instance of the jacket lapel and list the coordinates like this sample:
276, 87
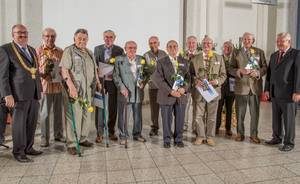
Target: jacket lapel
27, 61
284, 58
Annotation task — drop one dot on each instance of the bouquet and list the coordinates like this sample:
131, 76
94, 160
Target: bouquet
112, 60
84, 103
141, 72
252, 61
49, 62
178, 79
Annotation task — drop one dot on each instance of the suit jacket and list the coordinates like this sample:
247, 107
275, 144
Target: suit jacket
245, 84
283, 79
162, 77
124, 79
99, 52
225, 89
14, 79
216, 71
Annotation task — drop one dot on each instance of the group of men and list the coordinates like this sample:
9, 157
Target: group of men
174, 80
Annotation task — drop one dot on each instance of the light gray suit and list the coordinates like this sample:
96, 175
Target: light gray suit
124, 79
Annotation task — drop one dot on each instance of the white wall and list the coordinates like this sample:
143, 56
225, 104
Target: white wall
131, 20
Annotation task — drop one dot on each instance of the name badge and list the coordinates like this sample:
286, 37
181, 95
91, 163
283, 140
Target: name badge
217, 63
180, 64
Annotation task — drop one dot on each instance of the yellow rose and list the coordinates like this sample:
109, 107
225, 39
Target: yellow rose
152, 62
210, 54
90, 109
181, 53
143, 62
252, 51
112, 60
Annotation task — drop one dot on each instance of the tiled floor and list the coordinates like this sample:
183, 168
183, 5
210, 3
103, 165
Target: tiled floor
227, 162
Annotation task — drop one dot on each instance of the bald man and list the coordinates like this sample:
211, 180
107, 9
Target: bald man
21, 87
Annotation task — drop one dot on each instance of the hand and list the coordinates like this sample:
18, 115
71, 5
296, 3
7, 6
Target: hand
181, 91
99, 87
73, 92
254, 73
245, 71
175, 94
267, 95
9, 101
124, 92
213, 82
141, 86
199, 83
296, 97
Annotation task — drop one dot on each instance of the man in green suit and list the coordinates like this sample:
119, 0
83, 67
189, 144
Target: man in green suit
248, 65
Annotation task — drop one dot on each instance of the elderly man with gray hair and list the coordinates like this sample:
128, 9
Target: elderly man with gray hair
248, 65
49, 56
283, 87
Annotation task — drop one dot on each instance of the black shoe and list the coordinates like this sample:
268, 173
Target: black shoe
229, 133
22, 158
33, 152
113, 137
286, 148
86, 144
140, 139
217, 131
273, 142
167, 145
179, 144
153, 132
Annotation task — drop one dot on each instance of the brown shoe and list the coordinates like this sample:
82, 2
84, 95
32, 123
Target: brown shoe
239, 137
198, 141
99, 139
254, 139
229, 133
86, 144
72, 151
113, 137
123, 142
210, 142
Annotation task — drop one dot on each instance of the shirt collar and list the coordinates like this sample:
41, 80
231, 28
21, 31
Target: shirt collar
47, 48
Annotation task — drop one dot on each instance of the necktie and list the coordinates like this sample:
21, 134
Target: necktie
26, 54
278, 61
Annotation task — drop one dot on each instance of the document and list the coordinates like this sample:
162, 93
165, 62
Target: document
106, 70
99, 99
209, 93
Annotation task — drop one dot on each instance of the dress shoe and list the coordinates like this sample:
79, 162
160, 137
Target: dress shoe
113, 137
198, 141
22, 158
60, 139
153, 132
229, 133
239, 137
254, 139
167, 145
86, 143
217, 131
179, 144
33, 152
273, 142
72, 150
99, 139
210, 142
140, 139
286, 147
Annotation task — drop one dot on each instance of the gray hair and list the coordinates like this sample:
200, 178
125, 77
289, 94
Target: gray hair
81, 30
206, 37
109, 31
49, 29
191, 37
285, 35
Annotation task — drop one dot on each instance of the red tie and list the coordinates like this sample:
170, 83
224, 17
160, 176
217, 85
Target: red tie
278, 61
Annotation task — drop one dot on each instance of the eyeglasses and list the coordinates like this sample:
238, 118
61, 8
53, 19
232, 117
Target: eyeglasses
131, 47
207, 43
49, 36
152, 43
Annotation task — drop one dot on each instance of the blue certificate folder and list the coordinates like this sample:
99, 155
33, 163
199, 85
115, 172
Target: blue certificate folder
98, 100
210, 93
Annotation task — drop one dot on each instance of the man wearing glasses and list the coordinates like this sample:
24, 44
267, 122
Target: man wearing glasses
49, 56
21, 87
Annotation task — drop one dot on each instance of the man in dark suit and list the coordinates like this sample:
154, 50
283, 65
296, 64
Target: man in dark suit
283, 87
172, 100
106, 53
3, 117
21, 87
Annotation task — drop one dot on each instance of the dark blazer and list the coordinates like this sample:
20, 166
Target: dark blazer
99, 52
283, 79
162, 78
14, 79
